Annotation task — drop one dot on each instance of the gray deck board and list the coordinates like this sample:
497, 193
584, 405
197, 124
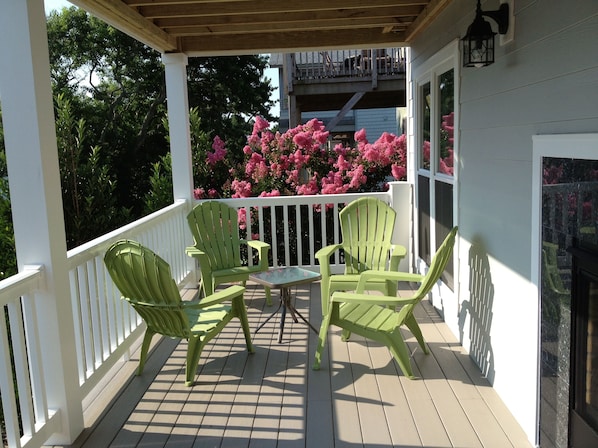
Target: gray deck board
273, 398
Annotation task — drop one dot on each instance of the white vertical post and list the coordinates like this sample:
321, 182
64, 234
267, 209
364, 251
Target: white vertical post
401, 200
175, 67
36, 199
178, 123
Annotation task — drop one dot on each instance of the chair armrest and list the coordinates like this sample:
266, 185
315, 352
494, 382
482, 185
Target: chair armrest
326, 252
205, 268
372, 299
397, 253
262, 249
386, 275
193, 251
323, 256
257, 244
218, 297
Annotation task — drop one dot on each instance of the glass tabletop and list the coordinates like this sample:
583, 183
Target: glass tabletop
285, 276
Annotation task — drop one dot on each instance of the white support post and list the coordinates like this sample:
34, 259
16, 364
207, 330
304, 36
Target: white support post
401, 200
178, 123
175, 66
36, 199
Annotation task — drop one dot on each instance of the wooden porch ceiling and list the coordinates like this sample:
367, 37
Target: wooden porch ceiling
226, 27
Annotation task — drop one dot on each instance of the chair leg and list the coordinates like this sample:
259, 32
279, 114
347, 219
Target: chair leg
345, 335
147, 338
193, 353
321, 341
325, 293
400, 352
208, 287
411, 323
241, 313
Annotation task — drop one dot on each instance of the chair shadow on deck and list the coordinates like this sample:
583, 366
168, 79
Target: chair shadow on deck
273, 398
476, 313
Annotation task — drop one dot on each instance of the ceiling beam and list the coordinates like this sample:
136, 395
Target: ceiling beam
265, 19
120, 16
293, 41
220, 8
426, 17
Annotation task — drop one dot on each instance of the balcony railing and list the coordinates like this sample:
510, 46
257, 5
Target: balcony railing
347, 63
106, 327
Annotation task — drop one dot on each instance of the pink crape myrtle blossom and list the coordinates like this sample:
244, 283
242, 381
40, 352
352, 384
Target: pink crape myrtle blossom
260, 124
241, 188
199, 193
219, 151
301, 161
242, 218
311, 187
334, 183
398, 171
269, 194
360, 136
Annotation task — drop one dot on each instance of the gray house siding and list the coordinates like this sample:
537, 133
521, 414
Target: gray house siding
544, 82
377, 121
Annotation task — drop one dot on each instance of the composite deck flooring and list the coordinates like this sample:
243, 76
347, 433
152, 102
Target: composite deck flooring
273, 398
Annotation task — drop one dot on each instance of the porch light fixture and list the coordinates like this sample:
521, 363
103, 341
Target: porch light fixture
478, 43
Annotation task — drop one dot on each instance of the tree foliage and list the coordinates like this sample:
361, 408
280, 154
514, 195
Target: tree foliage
110, 108
116, 85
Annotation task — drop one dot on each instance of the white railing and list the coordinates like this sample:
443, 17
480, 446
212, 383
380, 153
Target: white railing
28, 421
296, 227
106, 327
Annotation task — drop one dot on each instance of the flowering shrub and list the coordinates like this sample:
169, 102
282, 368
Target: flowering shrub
300, 162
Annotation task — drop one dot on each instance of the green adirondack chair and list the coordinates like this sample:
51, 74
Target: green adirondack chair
145, 281
215, 229
367, 225
379, 317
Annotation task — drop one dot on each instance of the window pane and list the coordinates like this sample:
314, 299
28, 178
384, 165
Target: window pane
424, 156
444, 224
446, 87
423, 210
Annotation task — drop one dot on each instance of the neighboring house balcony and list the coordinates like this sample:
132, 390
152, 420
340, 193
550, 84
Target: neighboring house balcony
342, 80
270, 398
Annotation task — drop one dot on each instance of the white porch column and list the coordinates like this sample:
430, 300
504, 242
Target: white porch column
178, 123
401, 200
34, 178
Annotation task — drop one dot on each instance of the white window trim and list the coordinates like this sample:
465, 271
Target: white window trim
575, 146
446, 59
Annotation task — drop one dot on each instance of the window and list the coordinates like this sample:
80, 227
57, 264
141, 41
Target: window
435, 176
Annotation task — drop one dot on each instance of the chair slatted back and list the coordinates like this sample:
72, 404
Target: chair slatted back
145, 281
215, 229
367, 226
437, 266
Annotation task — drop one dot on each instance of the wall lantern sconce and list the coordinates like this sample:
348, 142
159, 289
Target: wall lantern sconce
478, 43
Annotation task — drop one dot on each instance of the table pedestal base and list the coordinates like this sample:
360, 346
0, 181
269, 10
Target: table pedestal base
285, 303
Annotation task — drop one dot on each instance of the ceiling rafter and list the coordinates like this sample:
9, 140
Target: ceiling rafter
213, 27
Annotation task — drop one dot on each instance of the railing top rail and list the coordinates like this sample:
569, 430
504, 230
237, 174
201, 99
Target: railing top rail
26, 281
99, 245
578, 186
301, 200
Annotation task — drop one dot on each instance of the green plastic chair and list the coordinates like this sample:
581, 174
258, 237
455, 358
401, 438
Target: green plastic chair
380, 317
215, 229
367, 226
145, 281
